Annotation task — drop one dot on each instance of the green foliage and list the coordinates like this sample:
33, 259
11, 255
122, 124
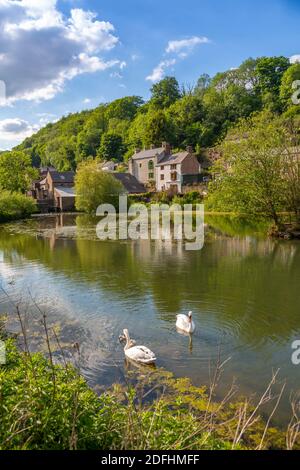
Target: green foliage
256, 173
16, 172
269, 71
111, 148
95, 187
51, 145
199, 116
44, 406
88, 140
192, 197
124, 108
154, 127
15, 206
165, 92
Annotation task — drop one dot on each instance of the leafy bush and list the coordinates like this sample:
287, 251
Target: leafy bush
15, 206
95, 187
192, 197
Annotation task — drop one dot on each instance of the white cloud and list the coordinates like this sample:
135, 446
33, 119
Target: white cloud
40, 49
159, 71
184, 46
180, 49
87, 101
295, 59
85, 29
16, 129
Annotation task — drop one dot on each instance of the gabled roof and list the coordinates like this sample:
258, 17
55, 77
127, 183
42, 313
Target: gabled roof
150, 153
108, 163
65, 192
173, 159
130, 183
62, 177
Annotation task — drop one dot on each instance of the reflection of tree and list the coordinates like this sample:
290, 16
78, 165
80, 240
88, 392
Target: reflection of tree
249, 284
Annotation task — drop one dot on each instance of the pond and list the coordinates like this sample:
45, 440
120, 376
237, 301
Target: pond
243, 289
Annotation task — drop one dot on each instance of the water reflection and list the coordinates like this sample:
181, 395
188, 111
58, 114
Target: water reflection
242, 288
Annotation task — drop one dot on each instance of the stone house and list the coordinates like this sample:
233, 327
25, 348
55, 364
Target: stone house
143, 163
167, 171
55, 191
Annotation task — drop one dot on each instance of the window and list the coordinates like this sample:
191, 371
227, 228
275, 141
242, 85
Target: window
162, 177
174, 176
150, 165
173, 167
140, 165
151, 176
162, 167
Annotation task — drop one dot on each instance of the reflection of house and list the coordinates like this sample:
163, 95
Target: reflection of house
130, 183
167, 171
55, 191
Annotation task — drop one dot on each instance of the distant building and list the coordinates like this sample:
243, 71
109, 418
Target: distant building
55, 191
64, 198
164, 170
109, 166
143, 163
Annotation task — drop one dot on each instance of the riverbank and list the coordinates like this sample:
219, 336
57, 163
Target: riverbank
46, 405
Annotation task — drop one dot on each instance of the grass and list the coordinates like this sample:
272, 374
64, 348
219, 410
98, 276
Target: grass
44, 405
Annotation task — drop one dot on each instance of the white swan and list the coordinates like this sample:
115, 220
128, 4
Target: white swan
137, 353
185, 323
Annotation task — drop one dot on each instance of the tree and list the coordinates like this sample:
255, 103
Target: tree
269, 72
250, 174
124, 108
165, 92
203, 83
111, 148
187, 115
89, 138
16, 171
151, 128
95, 187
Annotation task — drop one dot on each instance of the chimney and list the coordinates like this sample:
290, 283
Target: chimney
137, 150
190, 149
167, 147
152, 146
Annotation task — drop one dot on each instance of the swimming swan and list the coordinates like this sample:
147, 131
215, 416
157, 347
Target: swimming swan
137, 353
185, 323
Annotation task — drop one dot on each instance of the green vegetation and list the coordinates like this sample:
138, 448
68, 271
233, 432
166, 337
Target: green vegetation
16, 172
44, 405
258, 172
95, 187
246, 113
15, 206
200, 116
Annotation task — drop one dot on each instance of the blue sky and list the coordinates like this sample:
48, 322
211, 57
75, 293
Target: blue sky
58, 57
